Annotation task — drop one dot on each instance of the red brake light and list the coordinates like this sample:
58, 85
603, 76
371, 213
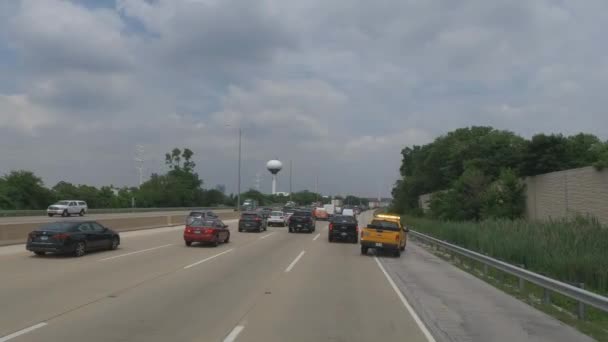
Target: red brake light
61, 236
397, 237
209, 231
258, 219
188, 230
357, 229
331, 226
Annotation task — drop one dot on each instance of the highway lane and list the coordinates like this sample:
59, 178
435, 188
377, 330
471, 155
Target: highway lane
44, 219
272, 286
155, 289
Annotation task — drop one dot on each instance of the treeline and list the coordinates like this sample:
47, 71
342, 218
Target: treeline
180, 186
475, 172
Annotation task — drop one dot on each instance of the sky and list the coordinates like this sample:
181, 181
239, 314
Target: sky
339, 87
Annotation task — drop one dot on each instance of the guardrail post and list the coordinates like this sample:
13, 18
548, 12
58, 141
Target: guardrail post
581, 306
485, 270
546, 297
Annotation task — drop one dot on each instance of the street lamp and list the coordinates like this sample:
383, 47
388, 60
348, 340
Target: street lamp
238, 182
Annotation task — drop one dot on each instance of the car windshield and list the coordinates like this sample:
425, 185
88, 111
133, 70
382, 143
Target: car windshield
202, 223
62, 202
249, 216
58, 226
276, 213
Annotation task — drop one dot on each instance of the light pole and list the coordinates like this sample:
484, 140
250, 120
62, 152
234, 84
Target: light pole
238, 183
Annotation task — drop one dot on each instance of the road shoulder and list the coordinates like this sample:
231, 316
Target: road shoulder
456, 306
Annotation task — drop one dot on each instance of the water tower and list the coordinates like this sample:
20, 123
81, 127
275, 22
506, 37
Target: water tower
274, 166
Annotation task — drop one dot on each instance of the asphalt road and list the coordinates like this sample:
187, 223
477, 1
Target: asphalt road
270, 286
44, 219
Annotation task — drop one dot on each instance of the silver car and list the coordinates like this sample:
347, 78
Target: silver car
68, 208
277, 218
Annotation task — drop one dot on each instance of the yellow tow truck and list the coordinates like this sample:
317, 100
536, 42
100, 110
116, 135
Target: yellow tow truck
385, 232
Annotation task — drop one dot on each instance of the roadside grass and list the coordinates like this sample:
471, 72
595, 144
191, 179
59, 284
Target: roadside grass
573, 251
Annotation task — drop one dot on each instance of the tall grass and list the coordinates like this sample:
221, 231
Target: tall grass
571, 250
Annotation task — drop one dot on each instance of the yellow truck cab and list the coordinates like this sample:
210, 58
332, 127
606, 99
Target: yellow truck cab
385, 232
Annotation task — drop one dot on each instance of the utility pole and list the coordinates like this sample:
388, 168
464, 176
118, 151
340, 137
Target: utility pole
238, 183
139, 160
316, 188
290, 180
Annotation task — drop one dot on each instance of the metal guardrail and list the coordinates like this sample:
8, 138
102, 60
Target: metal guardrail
580, 295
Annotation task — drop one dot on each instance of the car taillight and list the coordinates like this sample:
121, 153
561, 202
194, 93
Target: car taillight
397, 237
61, 236
188, 230
208, 231
357, 229
331, 227
257, 219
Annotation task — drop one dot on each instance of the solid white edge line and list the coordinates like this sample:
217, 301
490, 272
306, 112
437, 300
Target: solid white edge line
22, 331
316, 237
267, 235
293, 263
136, 252
407, 305
207, 259
234, 333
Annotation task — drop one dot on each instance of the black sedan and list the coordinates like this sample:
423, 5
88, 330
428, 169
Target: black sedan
71, 237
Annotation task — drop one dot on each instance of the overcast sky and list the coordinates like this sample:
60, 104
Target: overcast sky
339, 87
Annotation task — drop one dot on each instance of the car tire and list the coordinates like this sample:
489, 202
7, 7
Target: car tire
397, 253
330, 239
64, 213
188, 243
80, 249
81, 213
114, 243
364, 250
355, 240
227, 239
216, 242
290, 230
402, 248
240, 230
50, 215
40, 253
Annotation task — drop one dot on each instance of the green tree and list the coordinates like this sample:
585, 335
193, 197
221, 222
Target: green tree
24, 190
545, 153
464, 200
505, 198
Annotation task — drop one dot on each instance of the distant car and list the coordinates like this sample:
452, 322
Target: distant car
302, 220
321, 214
348, 212
206, 230
344, 228
200, 214
266, 212
252, 221
67, 208
69, 237
277, 218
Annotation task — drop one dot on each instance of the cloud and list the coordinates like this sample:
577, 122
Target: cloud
336, 86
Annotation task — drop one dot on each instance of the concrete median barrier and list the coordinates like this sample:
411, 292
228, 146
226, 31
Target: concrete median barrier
16, 233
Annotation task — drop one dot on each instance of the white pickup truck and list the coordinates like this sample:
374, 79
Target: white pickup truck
68, 208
